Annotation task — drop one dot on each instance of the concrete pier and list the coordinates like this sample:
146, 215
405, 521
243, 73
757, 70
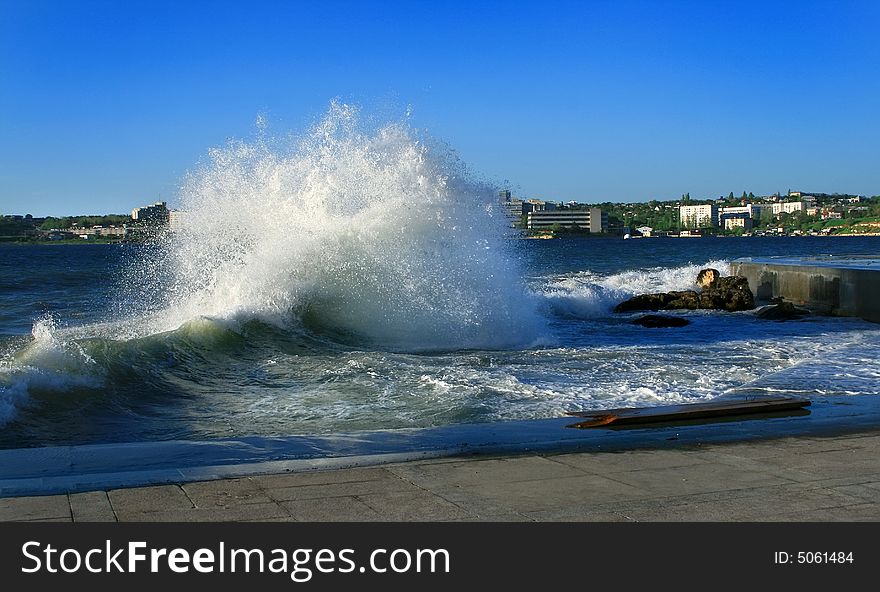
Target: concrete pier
820, 466
793, 479
840, 286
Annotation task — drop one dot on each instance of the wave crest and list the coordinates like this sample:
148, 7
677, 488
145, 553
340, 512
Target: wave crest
380, 236
47, 364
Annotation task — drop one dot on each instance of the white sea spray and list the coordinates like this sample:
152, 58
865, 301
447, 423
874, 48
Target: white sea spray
379, 236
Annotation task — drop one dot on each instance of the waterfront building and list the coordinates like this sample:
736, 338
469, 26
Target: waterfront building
734, 221
153, 214
752, 210
87, 233
591, 219
118, 231
831, 214
761, 210
539, 205
787, 207
513, 208
698, 216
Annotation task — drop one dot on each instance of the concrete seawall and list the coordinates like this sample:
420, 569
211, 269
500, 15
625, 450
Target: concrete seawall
848, 287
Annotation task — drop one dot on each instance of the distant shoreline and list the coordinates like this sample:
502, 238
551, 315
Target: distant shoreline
65, 242
608, 236
25, 243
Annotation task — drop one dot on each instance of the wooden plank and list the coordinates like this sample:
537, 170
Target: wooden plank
666, 413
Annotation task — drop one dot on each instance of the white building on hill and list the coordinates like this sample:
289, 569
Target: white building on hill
698, 216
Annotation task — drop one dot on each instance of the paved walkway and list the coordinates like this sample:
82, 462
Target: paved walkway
790, 479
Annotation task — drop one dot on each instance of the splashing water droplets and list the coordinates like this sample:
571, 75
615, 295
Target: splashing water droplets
372, 236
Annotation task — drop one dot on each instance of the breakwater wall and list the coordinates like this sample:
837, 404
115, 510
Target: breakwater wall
835, 286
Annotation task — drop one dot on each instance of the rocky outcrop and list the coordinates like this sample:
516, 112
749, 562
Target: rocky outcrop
661, 301
729, 293
660, 321
782, 311
707, 277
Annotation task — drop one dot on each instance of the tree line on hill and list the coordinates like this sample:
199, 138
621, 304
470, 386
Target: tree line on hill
664, 215
67, 222
28, 227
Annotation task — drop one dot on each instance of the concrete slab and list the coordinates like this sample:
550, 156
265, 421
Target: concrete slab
506, 517
575, 515
93, 506
356, 475
416, 506
760, 504
336, 509
481, 508
829, 464
864, 478
269, 511
855, 513
345, 489
778, 447
225, 493
702, 478
868, 492
476, 471
550, 494
149, 499
772, 465
629, 460
50, 507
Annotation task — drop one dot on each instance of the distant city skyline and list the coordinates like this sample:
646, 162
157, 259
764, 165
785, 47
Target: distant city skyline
105, 106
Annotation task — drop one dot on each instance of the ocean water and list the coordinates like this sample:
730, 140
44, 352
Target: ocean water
363, 279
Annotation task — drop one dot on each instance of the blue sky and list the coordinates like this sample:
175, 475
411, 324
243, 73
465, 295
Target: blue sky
104, 106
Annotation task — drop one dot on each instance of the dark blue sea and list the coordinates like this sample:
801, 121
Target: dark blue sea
122, 342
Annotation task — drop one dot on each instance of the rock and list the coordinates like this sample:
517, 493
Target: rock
660, 321
735, 292
707, 277
643, 302
729, 293
783, 311
687, 299
661, 301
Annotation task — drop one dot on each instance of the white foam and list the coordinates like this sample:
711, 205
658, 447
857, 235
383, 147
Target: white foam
47, 364
376, 234
588, 294
12, 397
